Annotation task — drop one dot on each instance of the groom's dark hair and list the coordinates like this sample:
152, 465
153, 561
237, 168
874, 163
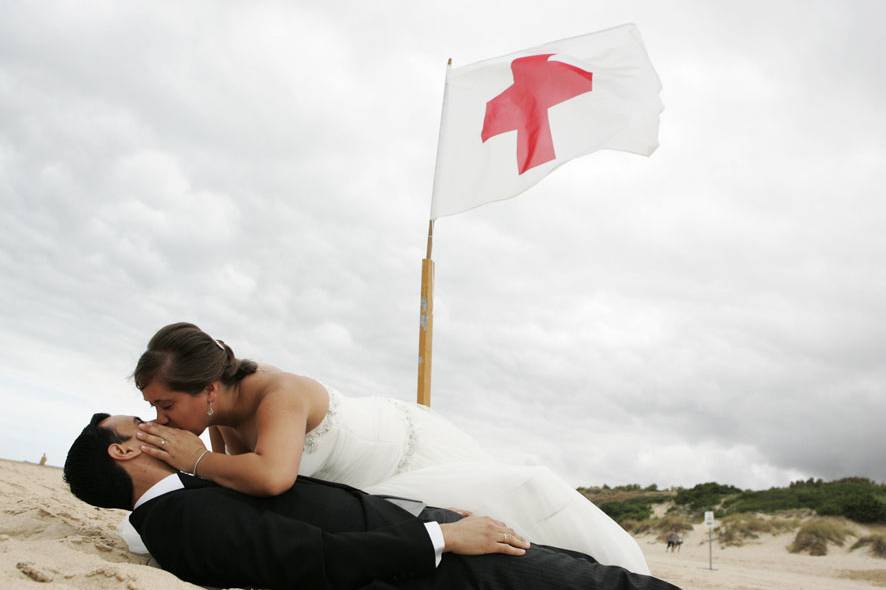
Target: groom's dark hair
92, 474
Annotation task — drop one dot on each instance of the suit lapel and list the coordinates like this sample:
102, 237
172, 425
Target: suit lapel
193, 483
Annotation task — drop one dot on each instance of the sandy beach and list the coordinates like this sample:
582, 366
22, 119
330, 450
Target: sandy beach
50, 539
762, 564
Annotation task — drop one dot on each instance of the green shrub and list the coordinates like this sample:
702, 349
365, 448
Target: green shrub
864, 508
622, 511
858, 505
856, 498
626, 503
704, 496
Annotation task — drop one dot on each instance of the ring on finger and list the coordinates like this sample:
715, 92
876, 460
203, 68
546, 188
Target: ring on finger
163, 441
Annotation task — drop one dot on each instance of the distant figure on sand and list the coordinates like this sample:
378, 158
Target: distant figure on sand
43, 459
674, 541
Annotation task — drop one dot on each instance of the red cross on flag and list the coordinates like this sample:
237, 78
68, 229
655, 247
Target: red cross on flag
509, 121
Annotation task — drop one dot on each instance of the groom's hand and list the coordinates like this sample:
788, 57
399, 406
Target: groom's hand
478, 535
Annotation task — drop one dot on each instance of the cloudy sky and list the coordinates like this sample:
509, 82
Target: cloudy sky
714, 312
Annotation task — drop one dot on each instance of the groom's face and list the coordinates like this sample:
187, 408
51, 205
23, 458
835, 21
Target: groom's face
124, 427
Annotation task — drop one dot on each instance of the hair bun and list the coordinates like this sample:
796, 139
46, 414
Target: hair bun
184, 357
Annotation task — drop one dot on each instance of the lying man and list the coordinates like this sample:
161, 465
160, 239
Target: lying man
316, 535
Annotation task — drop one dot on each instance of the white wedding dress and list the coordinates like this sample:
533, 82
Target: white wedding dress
389, 447
386, 446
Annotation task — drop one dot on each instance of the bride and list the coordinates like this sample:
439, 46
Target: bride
267, 427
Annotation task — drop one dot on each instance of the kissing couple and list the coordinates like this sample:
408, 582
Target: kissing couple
275, 504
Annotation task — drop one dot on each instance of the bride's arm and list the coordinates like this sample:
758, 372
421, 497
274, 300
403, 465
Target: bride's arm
281, 421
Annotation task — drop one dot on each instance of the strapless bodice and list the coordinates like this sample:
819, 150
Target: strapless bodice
364, 440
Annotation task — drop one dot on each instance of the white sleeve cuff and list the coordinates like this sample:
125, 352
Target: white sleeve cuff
436, 534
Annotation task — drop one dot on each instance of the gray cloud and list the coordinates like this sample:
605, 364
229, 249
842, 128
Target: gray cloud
714, 312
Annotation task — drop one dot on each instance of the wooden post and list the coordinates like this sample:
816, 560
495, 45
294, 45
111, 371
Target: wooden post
426, 323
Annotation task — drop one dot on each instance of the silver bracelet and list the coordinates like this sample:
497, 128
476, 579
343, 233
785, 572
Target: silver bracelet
197, 462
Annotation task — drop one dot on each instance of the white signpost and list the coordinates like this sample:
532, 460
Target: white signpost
709, 522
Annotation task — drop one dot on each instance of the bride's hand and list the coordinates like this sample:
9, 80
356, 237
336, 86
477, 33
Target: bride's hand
178, 448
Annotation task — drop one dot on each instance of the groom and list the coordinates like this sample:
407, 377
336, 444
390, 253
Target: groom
316, 535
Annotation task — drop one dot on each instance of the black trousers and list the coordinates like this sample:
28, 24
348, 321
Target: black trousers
541, 568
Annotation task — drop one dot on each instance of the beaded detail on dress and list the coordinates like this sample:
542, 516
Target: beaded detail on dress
312, 439
410, 437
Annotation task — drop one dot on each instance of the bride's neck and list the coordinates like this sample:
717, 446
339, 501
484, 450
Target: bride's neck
228, 408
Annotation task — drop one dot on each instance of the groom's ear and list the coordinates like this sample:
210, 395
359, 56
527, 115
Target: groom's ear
119, 452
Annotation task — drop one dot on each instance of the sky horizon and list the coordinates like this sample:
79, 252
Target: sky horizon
714, 312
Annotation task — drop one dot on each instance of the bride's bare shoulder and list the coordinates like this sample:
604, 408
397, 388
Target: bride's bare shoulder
266, 369
270, 379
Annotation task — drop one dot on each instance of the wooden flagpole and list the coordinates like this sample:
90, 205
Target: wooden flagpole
426, 323
426, 318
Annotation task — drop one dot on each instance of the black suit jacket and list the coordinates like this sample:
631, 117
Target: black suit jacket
316, 535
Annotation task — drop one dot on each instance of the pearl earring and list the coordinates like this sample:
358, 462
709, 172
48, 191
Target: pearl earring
211, 411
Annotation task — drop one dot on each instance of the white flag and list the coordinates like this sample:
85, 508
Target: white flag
509, 121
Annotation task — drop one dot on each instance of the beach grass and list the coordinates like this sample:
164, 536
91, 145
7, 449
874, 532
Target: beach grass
736, 529
816, 534
659, 526
875, 577
876, 543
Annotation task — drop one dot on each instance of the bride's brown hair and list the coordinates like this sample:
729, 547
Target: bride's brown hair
185, 358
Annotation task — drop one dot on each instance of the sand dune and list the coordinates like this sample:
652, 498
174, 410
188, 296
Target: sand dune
763, 564
50, 539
